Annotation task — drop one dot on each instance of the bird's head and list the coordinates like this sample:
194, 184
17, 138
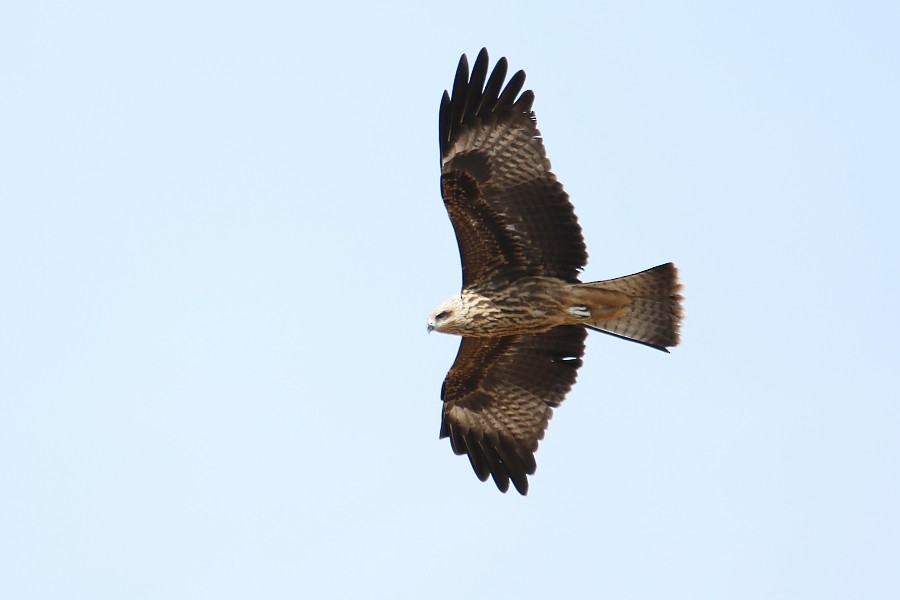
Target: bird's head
444, 317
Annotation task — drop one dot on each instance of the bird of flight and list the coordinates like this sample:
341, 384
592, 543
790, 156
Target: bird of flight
522, 311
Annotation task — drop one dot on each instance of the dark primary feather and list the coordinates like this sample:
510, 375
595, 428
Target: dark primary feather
499, 397
493, 160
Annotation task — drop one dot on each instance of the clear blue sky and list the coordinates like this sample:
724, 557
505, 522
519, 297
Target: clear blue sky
221, 233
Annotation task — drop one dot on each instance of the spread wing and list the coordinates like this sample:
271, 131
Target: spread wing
510, 214
499, 396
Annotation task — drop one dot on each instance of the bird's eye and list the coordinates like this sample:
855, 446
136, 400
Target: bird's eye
442, 315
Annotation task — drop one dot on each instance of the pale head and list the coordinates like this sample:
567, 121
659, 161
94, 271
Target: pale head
446, 317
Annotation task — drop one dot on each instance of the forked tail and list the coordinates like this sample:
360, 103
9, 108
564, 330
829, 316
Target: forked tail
644, 307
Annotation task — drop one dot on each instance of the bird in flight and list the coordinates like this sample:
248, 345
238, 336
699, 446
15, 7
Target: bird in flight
522, 312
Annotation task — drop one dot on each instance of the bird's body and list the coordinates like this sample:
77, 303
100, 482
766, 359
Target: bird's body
527, 305
522, 310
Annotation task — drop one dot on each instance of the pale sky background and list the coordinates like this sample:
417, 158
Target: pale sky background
221, 233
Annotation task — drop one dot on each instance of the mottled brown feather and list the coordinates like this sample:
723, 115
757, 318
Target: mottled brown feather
499, 397
491, 136
488, 250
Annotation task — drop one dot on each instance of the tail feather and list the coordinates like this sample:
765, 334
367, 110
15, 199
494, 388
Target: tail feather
646, 306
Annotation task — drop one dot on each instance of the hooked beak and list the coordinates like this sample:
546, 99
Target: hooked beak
430, 328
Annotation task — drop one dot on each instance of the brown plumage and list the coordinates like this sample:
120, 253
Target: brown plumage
522, 311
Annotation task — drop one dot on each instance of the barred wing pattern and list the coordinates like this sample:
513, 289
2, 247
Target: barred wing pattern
496, 181
499, 397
